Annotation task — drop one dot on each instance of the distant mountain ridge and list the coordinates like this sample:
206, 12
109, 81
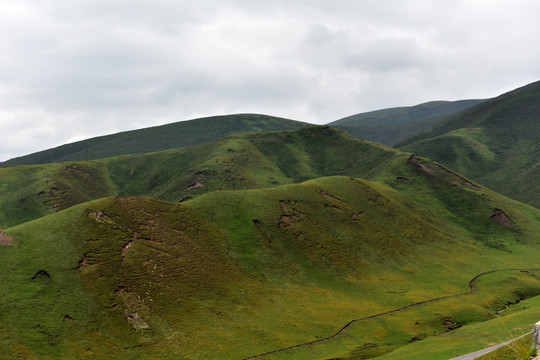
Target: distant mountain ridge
392, 125
386, 126
157, 138
496, 143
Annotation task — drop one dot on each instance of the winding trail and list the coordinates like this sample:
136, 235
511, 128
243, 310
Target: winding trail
477, 354
344, 328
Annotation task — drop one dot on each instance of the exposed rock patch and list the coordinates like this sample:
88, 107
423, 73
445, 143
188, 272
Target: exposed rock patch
450, 325
137, 321
196, 182
457, 177
503, 219
286, 220
5, 239
343, 206
195, 185
126, 248
412, 159
134, 306
99, 216
424, 168
328, 196
83, 263
291, 215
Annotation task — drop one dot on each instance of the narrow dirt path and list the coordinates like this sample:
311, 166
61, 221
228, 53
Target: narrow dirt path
344, 328
479, 353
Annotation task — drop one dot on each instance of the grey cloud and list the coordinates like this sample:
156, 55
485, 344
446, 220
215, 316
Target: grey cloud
98, 67
392, 55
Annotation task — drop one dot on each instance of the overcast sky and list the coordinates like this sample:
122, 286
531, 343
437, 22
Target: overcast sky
81, 68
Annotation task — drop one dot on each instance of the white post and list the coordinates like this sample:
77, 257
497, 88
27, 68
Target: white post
536, 336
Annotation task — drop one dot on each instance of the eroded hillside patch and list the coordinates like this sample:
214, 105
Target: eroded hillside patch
431, 168
291, 216
500, 217
5, 239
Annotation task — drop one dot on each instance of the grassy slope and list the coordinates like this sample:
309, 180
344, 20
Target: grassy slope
232, 274
518, 319
29, 192
390, 126
494, 143
170, 136
238, 162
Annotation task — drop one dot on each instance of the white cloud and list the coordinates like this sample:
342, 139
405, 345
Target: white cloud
83, 68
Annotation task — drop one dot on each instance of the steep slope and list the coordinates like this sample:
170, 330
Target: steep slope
495, 143
170, 136
390, 126
247, 161
232, 274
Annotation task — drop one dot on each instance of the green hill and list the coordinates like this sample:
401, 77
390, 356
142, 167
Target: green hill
390, 126
245, 161
495, 143
234, 274
300, 244
170, 136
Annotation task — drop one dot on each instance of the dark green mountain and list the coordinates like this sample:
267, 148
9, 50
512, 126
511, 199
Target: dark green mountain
389, 126
496, 143
170, 136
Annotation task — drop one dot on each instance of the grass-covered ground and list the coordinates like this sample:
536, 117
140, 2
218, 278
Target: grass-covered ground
251, 161
514, 321
232, 274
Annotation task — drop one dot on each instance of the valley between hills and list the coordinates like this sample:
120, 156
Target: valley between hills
253, 237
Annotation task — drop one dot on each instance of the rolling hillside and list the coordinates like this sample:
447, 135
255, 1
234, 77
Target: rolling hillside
390, 126
170, 136
334, 267
299, 244
268, 266
495, 143
247, 161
